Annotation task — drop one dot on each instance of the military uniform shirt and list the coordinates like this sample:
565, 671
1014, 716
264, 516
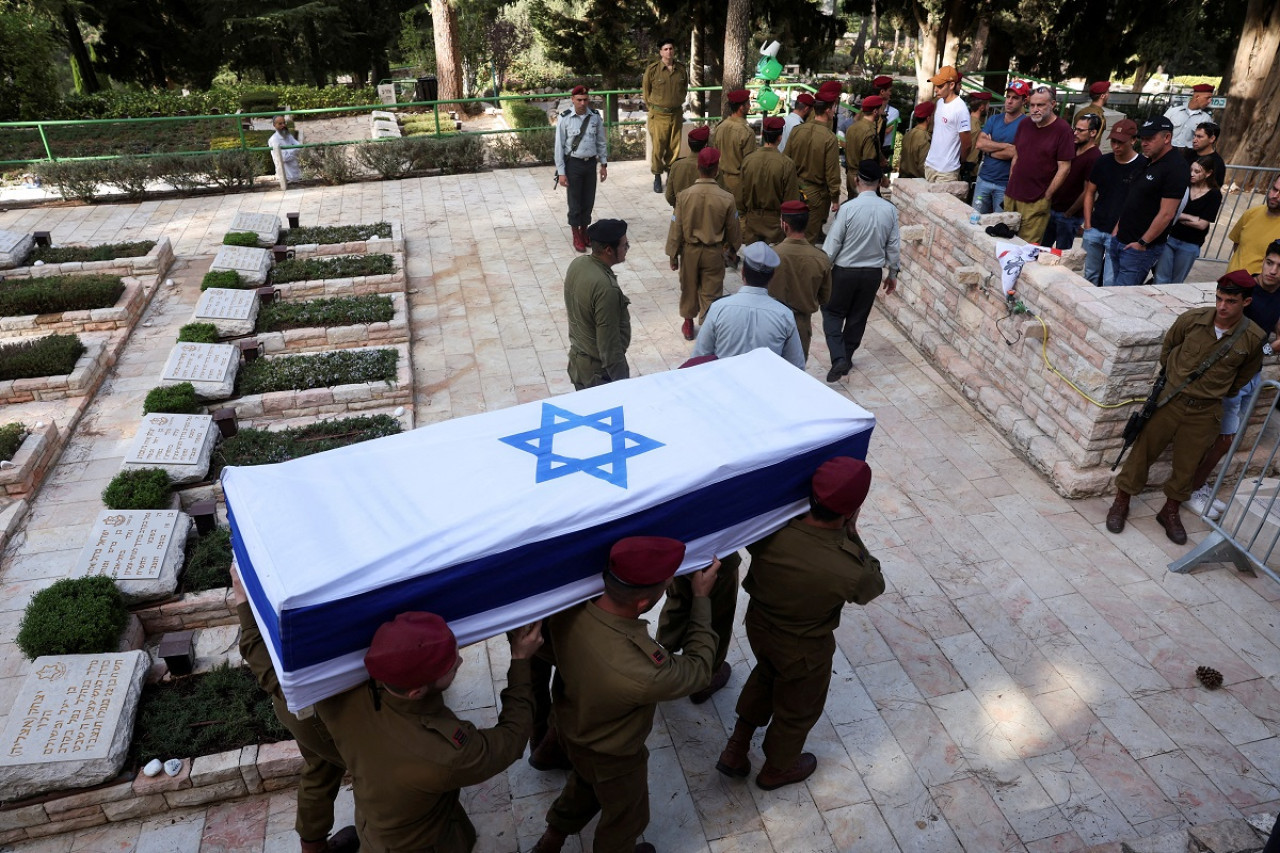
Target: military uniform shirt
915, 148
747, 320
1191, 339
665, 87
865, 235
816, 152
861, 142
599, 321
684, 174
768, 179
593, 141
802, 281
735, 140
1093, 109
705, 215
1185, 122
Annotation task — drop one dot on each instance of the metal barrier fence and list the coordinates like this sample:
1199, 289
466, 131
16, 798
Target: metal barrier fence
1246, 187
1249, 529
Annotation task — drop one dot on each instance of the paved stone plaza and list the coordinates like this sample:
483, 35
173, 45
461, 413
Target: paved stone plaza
1026, 682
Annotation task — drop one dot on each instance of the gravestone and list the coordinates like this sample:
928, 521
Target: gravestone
141, 549
252, 264
178, 444
232, 312
14, 248
387, 93
265, 225
382, 130
210, 368
72, 722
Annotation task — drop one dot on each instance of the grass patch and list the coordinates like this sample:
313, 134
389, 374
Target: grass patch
338, 311
75, 616
240, 238
208, 563
57, 293
139, 488
261, 447
335, 234
102, 252
321, 370
11, 438
204, 714
177, 399
198, 333
229, 279
345, 266
54, 355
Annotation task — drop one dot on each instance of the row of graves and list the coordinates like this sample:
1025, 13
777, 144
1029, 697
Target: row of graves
299, 343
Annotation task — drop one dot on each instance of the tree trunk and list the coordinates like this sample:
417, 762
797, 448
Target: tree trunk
979, 48
1140, 75
737, 39
315, 63
79, 52
1250, 136
858, 55
444, 20
875, 24
927, 54
999, 50
697, 99
951, 49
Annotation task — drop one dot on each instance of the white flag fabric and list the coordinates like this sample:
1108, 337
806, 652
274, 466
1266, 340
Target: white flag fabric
498, 519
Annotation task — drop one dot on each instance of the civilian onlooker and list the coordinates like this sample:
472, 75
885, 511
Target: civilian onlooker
1150, 206
284, 151
1104, 194
1043, 149
1066, 207
1192, 225
1204, 143
799, 113
996, 143
1098, 94
1252, 232
915, 145
979, 109
950, 143
1185, 118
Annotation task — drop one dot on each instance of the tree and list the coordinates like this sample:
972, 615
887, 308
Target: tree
737, 39
444, 21
1250, 135
28, 83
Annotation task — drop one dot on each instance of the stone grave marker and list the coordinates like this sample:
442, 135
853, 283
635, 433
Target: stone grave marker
14, 248
252, 264
265, 225
72, 722
387, 93
210, 368
182, 445
233, 312
141, 549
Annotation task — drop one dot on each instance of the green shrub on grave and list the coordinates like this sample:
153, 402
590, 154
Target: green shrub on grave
198, 333
139, 488
53, 294
75, 616
240, 238
208, 563
101, 252
223, 278
54, 355
266, 447
177, 399
343, 266
338, 311
11, 438
321, 234
320, 370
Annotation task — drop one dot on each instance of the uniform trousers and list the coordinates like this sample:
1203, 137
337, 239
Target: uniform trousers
1190, 425
321, 779
585, 371
804, 325
673, 622
665, 130
819, 204
582, 188
844, 317
616, 787
701, 279
762, 225
787, 689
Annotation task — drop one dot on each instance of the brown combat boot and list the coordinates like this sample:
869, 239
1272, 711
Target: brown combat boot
768, 778
718, 681
734, 761
579, 238
1171, 521
1119, 512
550, 842
686, 329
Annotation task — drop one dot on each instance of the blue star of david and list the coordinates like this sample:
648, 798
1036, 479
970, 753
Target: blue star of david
610, 467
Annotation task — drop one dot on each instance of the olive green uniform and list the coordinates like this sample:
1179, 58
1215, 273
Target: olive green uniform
409, 757
684, 173
1191, 420
768, 179
1095, 110
322, 768
664, 90
800, 579
802, 282
816, 152
734, 139
673, 622
599, 323
915, 148
612, 674
703, 225
861, 142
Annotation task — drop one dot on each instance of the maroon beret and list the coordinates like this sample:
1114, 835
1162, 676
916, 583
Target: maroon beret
829, 91
924, 110
412, 650
701, 133
645, 560
841, 484
1240, 278
882, 81
1100, 87
1202, 87
579, 90
794, 207
980, 96
804, 99
738, 96
708, 157
871, 102
774, 123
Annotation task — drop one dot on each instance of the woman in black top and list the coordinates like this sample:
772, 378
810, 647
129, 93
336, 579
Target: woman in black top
1192, 225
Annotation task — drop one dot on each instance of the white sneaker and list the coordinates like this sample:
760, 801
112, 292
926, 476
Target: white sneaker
1199, 503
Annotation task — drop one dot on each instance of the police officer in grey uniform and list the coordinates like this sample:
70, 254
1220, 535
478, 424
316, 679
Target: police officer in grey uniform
580, 146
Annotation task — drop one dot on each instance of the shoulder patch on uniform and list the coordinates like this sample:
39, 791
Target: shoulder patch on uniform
460, 736
659, 657
567, 112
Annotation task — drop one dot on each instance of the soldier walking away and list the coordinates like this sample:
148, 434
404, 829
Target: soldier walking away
580, 145
704, 229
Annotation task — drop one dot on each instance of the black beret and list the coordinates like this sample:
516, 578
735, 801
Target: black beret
607, 231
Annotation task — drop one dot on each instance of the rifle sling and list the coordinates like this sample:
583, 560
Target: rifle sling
1209, 362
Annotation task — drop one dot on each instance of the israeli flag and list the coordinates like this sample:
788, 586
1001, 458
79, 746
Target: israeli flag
498, 519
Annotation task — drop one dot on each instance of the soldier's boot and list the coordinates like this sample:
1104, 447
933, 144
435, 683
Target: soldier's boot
733, 760
769, 778
1171, 520
687, 329
718, 681
1119, 512
549, 754
550, 842
580, 238
344, 840
657, 183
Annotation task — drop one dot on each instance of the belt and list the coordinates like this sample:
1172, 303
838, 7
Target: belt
583, 159
666, 111
1197, 402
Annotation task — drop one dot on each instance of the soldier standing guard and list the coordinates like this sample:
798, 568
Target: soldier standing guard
580, 145
704, 226
814, 149
768, 179
599, 321
664, 88
735, 139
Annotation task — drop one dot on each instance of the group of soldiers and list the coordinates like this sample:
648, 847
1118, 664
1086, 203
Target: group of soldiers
583, 686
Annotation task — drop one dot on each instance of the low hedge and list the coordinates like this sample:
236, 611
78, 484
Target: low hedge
56, 293
344, 266
177, 399
101, 252
334, 234
522, 114
338, 311
227, 98
208, 562
11, 438
54, 355
263, 447
198, 333
320, 370
139, 488
75, 616
229, 279
82, 180
240, 238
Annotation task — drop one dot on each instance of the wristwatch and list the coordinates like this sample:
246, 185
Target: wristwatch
1142, 243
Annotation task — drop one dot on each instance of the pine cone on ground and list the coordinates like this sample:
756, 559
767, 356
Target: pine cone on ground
1209, 677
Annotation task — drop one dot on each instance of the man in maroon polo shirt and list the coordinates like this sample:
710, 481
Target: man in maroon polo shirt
1043, 150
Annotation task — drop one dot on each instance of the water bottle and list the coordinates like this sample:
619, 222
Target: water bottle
975, 218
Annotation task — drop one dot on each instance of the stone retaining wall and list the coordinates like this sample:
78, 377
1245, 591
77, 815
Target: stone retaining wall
154, 263
340, 399
374, 246
319, 339
298, 291
38, 451
92, 365
122, 315
194, 610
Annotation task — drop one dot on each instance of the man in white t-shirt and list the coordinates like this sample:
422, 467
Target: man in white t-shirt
950, 129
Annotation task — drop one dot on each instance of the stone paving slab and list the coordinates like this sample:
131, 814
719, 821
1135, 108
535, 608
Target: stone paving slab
1026, 682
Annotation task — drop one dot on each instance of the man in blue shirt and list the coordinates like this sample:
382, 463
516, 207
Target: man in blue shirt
996, 142
751, 318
